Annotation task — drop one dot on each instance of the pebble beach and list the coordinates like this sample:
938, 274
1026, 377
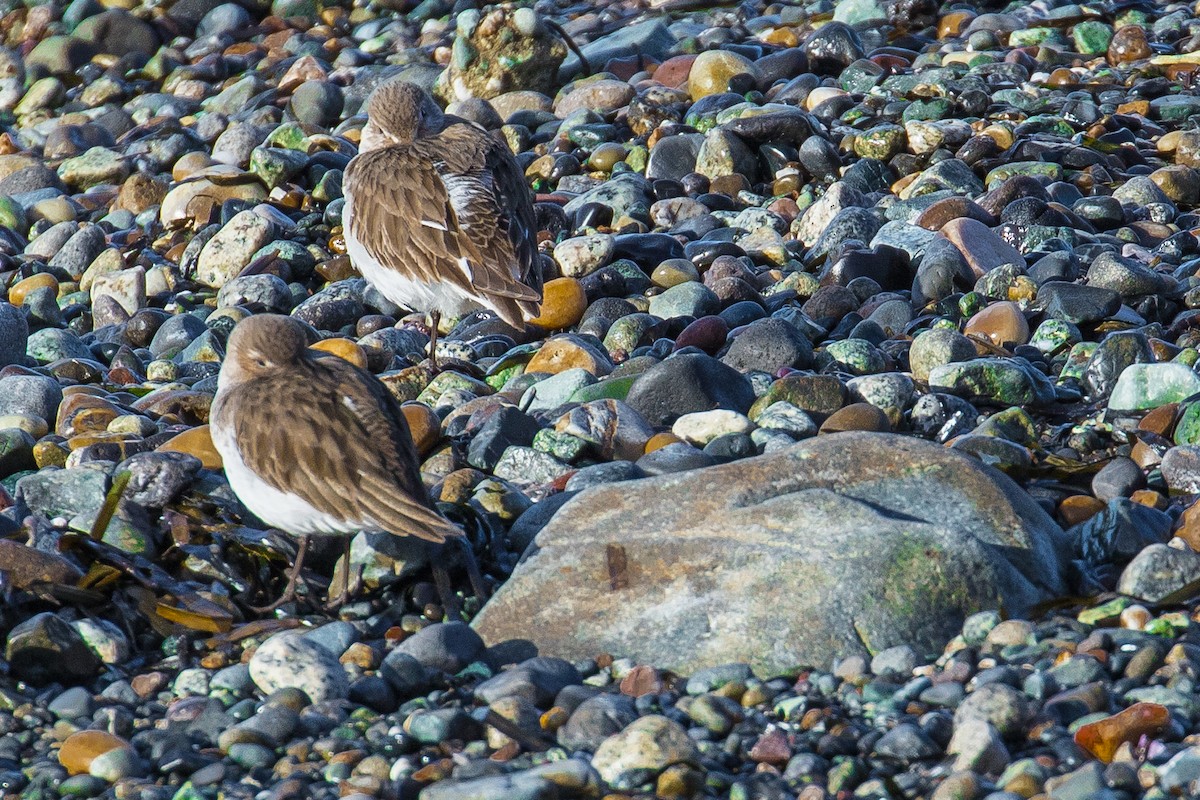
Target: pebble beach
870, 332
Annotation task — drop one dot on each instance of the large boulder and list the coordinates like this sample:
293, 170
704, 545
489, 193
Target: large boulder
844, 544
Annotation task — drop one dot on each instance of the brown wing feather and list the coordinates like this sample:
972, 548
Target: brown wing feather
494, 208
406, 190
391, 226
512, 193
354, 435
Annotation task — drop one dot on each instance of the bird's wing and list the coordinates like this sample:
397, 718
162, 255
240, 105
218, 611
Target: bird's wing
492, 206
354, 435
402, 215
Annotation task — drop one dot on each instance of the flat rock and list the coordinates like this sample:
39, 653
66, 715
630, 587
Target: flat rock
846, 544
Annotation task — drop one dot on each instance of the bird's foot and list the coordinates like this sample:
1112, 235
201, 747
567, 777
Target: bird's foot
289, 591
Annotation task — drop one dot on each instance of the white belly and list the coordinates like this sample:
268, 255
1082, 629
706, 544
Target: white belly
287, 512
400, 289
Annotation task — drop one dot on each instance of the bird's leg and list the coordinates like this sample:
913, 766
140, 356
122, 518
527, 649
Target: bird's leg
289, 591
435, 319
335, 602
473, 571
441, 579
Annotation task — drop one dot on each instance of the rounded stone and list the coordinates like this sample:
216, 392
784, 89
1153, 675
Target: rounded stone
563, 303
711, 71
287, 660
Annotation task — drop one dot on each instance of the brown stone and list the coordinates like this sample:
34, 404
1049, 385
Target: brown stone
1062, 77
148, 683
82, 413
1188, 527
140, 192
1144, 455
1151, 498
568, 352
980, 246
771, 748
856, 417
1002, 324
642, 680
941, 212
189, 164
1079, 508
343, 349
661, 440
712, 69
1161, 420
1128, 44
953, 24
27, 566
42, 280
1102, 737
82, 747
673, 73
1180, 183
194, 202
563, 304
197, 442
183, 404
423, 425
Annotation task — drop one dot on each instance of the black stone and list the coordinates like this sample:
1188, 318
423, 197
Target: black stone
687, 383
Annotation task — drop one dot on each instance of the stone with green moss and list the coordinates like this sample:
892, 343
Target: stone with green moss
1092, 37
839, 545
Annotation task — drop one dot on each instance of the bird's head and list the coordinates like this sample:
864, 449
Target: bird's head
261, 344
398, 113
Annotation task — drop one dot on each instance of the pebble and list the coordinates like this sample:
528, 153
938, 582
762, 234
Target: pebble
767, 228
288, 661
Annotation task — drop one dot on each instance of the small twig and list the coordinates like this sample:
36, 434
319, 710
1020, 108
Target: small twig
585, 65
530, 741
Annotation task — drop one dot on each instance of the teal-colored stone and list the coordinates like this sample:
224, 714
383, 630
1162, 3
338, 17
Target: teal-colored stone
451, 381
1092, 37
1077, 360
609, 389
1174, 107
205, 347
1054, 335
1048, 123
1030, 104
845, 776
1187, 429
937, 108
500, 380
1030, 36
562, 446
1004, 381
1033, 168
1146, 386
1013, 424
881, 142
289, 136
275, 165
858, 355
970, 304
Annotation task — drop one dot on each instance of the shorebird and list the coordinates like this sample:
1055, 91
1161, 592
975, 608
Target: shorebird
438, 215
315, 446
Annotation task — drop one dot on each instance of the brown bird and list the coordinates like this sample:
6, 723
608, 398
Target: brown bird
438, 215
315, 446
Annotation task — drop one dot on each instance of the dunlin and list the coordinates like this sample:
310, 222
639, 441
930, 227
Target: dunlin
315, 446
438, 215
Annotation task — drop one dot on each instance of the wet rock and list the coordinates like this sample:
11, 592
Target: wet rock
805, 633
687, 383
